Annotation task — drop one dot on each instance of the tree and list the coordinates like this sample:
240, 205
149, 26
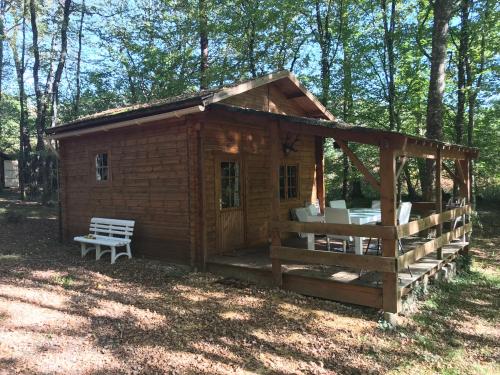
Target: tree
388, 60
76, 102
348, 101
325, 17
203, 27
434, 122
19, 63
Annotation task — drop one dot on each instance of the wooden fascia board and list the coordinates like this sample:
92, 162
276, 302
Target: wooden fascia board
311, 97
239, 89
136, 122
359, 165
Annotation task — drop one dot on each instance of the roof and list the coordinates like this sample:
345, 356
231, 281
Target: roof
321, 123
189, 100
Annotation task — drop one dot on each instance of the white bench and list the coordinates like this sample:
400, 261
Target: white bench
102, 233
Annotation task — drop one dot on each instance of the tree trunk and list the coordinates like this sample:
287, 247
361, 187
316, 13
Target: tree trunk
251, 48
61, 62
2, 38
40, 105
24, 138
324, 39
203, 29
389, 28
76, 102
434, 124
348, 100
473, 94
463, 49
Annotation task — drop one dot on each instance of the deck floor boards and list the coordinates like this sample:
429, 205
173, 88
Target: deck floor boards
258, 259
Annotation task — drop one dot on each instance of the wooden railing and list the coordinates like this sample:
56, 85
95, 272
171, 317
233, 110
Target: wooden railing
385, 264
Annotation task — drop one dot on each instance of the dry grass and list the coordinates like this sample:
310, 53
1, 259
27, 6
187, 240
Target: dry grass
60, 314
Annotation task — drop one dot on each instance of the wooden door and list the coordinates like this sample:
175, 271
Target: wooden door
229, 177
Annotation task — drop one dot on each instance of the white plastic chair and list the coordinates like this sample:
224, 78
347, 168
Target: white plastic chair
375, 204
338, 216
312, 210
403, 217
303, 216
404, 211
338, 204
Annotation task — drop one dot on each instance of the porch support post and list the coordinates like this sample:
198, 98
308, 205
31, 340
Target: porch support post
465, 192
320, 182
275, 145
439, 198
391, 301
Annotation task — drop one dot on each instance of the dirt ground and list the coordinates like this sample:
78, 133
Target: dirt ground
60, 314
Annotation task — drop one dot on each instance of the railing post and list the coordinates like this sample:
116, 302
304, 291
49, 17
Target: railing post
439, 199
465, 192
319, 161
275, 145
390, 289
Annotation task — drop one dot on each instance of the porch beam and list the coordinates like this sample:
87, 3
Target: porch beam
359, 164
454, 176
391, 298
460, 171
328, 258
402, 162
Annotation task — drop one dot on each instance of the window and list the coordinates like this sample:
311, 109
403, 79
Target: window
289, 182
230, 184
101, 167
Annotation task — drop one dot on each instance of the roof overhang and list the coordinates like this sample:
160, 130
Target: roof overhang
82, 130
144, 113
402, 144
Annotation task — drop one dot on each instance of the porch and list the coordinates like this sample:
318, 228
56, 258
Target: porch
314, 273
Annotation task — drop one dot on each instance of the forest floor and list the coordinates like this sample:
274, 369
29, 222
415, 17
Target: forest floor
60, 314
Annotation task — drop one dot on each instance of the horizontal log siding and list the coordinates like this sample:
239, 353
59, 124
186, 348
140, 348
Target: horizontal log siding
149, 184
252, 142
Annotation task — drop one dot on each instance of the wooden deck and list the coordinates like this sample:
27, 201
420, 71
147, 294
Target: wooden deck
330, 282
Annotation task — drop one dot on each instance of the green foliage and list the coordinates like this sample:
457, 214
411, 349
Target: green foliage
136, 51
9, 124
64, 281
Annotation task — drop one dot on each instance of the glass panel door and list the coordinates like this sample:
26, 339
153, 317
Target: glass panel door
230, 184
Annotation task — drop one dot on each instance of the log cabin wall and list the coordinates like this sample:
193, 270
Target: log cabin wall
150, 183
247, 137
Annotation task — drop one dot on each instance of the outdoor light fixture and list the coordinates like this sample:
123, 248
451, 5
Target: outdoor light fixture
289, 145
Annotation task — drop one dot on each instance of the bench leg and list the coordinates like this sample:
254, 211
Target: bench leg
129, 251
85, 249
98, 252
113, 254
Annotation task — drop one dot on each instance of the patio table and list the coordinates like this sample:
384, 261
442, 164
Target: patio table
363, 216
358, 216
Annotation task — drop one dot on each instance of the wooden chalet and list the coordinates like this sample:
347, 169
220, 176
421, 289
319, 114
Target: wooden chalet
210, 179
